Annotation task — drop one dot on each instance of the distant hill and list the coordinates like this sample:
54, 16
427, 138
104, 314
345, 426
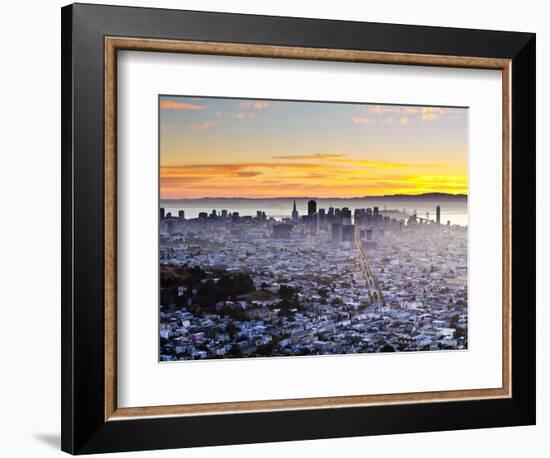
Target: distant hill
426, 196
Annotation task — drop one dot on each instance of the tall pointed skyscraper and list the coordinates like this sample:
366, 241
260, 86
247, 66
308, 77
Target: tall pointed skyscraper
294, 213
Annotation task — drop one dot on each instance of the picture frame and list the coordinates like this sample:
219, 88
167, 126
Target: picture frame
92, 35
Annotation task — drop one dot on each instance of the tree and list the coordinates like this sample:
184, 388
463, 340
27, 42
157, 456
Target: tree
171, 275
266, 349
323, 292
235, 285
303, 352
287, 292
234, 351
285, 307
231, 329
460, 332
235, 313
208, 293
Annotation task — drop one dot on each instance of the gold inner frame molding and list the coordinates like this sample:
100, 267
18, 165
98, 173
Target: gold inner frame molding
114, 44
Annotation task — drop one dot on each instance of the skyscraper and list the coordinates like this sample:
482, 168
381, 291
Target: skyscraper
369, 234
322, 214
348, 233
282, 231
162, 213
294, 213
346, 215
311, 207
336, 232
170, 226
438, 214
315, 221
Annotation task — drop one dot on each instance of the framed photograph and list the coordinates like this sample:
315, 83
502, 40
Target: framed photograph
281, 228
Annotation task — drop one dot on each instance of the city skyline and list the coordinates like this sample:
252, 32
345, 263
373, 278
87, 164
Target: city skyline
320, 281
242, 148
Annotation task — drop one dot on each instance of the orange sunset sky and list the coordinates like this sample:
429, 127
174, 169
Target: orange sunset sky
221, 147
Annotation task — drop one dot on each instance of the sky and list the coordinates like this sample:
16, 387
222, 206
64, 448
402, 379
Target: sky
228, 147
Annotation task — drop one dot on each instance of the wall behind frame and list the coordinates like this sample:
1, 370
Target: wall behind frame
30, 229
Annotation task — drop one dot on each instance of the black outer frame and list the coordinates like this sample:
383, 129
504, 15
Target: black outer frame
84, 429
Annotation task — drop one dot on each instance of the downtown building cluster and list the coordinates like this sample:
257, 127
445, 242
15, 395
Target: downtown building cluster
332, 281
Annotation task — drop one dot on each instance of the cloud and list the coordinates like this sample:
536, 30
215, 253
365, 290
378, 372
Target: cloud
335, 169
362, 120
381, 109
404, 115
344, 159
315, 176
185, 170
431, 113
242, 115
202, 125
339, 177
430, 117
384, 165
372, 114
407, 111
178, 106
309, 156
405, 121
301, 186
254, 105
248, 174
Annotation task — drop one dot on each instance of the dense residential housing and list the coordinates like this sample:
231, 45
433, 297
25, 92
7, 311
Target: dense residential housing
331, 281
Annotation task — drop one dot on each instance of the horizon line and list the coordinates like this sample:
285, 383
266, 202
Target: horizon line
441, 194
